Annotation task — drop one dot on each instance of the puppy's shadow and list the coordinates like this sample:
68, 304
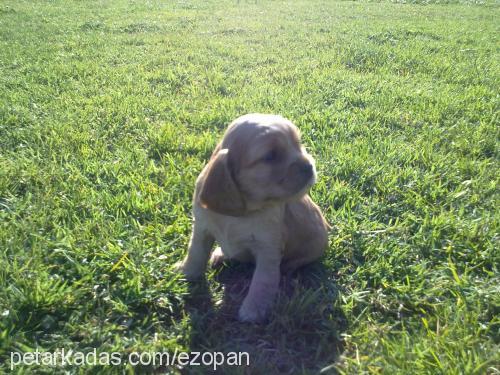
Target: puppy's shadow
303, 331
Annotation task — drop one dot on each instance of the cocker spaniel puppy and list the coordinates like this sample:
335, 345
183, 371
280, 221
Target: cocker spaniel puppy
252, 199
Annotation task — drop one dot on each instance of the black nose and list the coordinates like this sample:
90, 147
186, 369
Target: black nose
307, 169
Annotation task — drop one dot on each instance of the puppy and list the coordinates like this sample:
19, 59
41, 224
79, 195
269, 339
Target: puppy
252, 199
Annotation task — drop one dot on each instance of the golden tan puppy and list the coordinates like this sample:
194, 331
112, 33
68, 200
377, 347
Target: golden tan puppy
252, 199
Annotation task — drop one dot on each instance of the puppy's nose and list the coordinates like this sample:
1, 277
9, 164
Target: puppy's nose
307, 169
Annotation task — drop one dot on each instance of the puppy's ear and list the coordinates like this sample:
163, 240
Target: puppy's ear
219, 192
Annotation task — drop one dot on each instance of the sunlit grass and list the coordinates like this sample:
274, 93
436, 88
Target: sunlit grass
109, 110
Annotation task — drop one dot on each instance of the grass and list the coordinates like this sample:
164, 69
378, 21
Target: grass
109, 110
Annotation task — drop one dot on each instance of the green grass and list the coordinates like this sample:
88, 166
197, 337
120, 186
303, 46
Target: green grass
109, 110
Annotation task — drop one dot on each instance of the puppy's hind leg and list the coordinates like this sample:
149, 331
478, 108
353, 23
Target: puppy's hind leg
288, 267
306, 252
200, 245
217, 258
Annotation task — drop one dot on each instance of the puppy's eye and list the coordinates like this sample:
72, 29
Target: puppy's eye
271, 156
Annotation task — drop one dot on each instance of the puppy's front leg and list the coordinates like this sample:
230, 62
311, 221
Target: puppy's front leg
195, 263
263, 289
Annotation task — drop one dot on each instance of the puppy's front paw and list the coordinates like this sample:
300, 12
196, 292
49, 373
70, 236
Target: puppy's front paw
189, 273
253, 312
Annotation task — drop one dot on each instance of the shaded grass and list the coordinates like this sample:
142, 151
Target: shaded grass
108, 111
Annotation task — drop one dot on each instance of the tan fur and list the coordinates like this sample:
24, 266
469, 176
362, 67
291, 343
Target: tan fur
218, 190
252, 199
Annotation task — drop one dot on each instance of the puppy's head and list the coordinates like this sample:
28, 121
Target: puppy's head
260, 161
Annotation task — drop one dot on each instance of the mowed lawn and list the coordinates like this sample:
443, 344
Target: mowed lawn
109, 110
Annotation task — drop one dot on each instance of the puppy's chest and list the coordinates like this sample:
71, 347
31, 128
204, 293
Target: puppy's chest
241, 235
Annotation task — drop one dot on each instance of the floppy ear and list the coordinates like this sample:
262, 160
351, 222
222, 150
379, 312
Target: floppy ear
219, 192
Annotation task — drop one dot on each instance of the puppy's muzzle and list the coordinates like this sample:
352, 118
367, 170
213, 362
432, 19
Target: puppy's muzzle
307, 170
300, 175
